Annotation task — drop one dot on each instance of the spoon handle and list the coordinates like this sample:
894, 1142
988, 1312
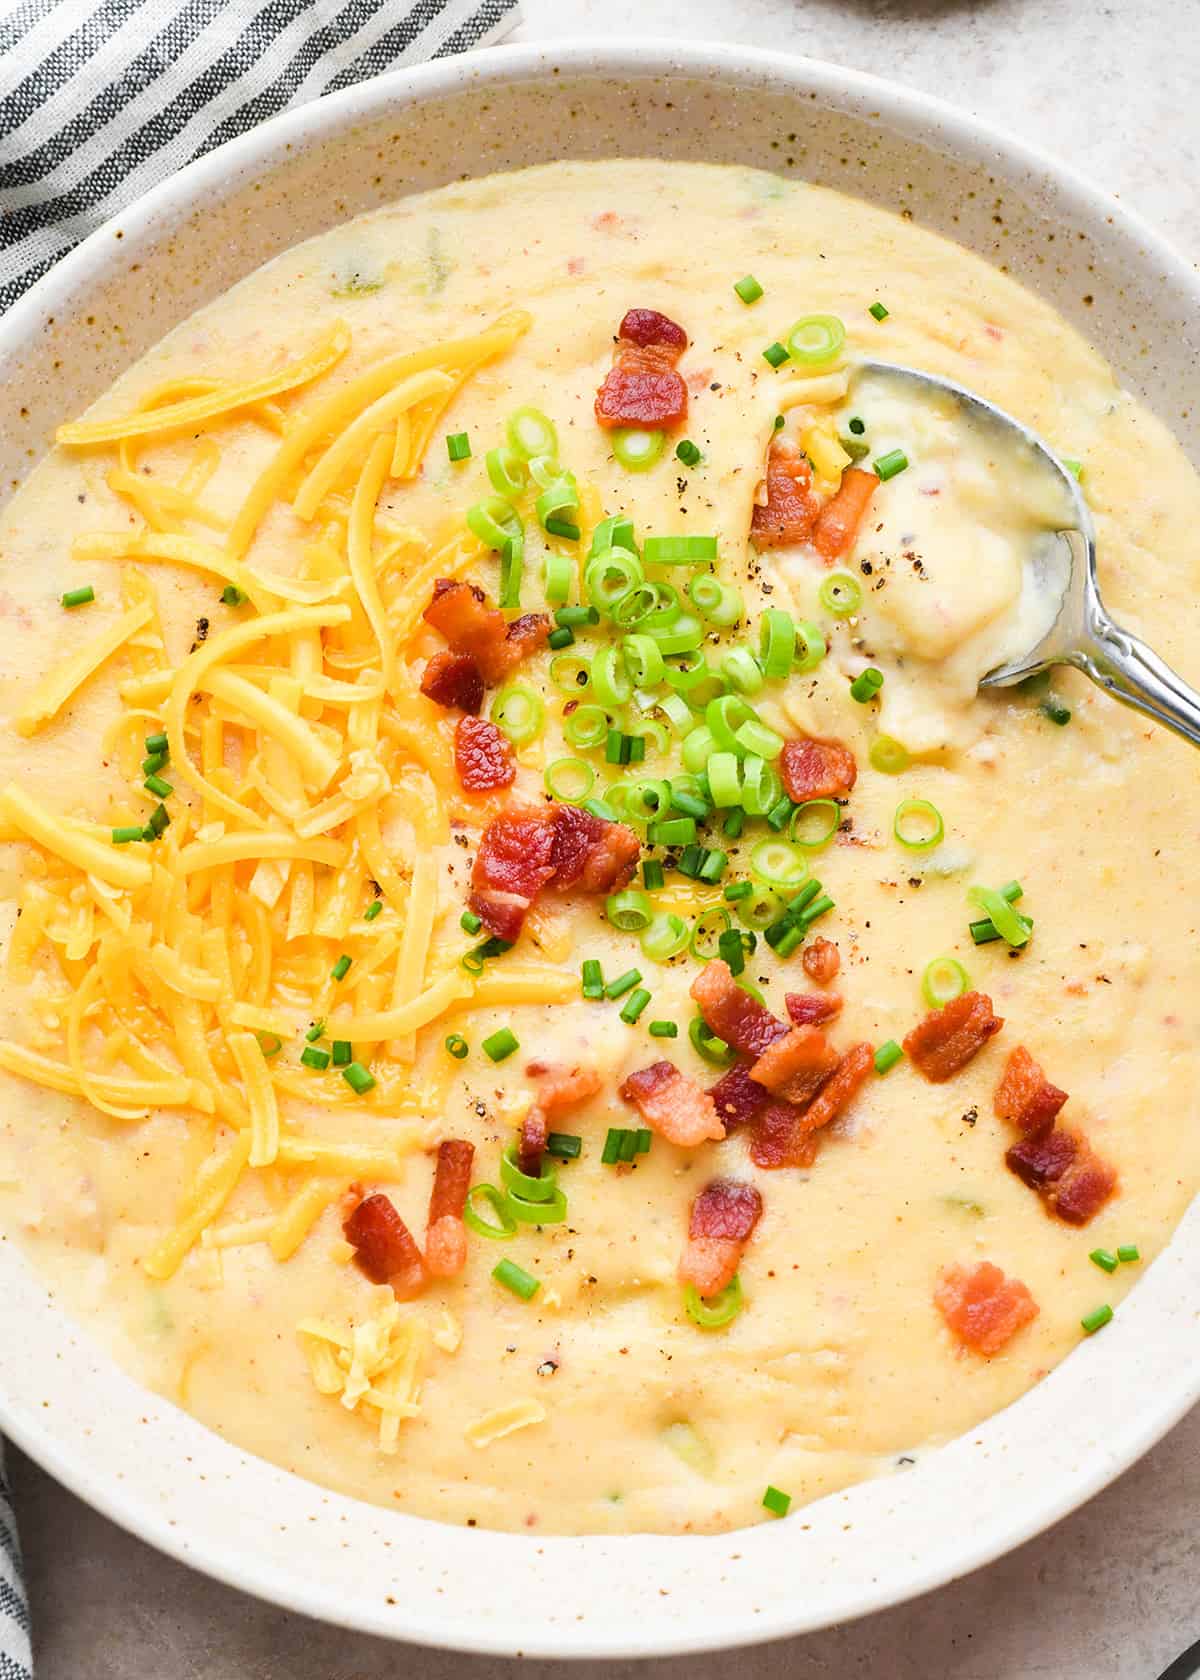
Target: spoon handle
1126, 668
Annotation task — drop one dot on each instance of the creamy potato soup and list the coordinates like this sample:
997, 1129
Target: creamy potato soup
537, 990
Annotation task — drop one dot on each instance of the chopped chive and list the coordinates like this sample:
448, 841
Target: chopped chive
602, 809
687, 452
776, 1502
1104, 1258
664, 1029
644, 1140
623, 983
340, 968
1128, 1252
690, 860
79, 597
159, 788
152, 765
469, 922
561, 638
270, 1044
748, 289
819, 907
628, 1145
731, 950
314, 1058
1075, 468
634, 1004
498, 1046
887, 466
360, 1079
887, 1056
156, 743
738, 889
793, 937
713, 867
734, 824
569, 618
689, 804
316, 1031
857, 426
516, 1278
612, 1146
566, 1146
778, 423
562, 528
593, 979
374, 909
123, 836
458, 446
866, 685
652, 874
775, 354
879, 311
675, 831
669, 551
1097, 1320
780, 814
1052, 707
457, 1046
343, 1052
232, 596
159, 819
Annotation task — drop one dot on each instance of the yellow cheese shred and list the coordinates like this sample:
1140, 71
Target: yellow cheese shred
215, 1184
51, 694
504, 1420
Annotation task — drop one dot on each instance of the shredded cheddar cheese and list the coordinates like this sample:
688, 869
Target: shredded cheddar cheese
504, 1420
377, 1365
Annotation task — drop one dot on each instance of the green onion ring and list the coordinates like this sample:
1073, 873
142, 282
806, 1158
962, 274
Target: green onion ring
566, 670
610, 680
778, 864
629, 910
1007, 923
918, 811
643, 660
569, 780
760, 908
519, 713
814, 824
550, 1212
498, 1202
707, 931
708, 1046
778, 642
724, 778
538, 1189
742, 671
840, 594
944, 979
586, 726
637, 449
494, 521
888, 756
507, 471
811, 646
816, 340
646, 801
557, 575
666, 937
530, 433
718, 1310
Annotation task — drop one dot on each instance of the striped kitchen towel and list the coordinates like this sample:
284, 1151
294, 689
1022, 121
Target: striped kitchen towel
99, 99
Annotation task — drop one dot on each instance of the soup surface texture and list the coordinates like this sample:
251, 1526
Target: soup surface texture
296, 886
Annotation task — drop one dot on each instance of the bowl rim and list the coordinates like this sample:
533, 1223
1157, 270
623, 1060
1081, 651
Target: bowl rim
582, 56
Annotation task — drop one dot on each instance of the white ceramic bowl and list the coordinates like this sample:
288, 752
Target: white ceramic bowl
151, 1467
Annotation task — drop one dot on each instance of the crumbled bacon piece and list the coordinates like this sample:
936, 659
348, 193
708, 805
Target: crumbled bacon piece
460, 611
446, 1235
821, 961
1041, 1160
384, 1249
744, 1023
590, 853
535, 1129
982, 1308
675, 1106
816, 769
1024, 1096
838, 521
644, 386
737, 1096
720, 1225
1065, 1171
811, 1008
781, 1139
791, 508
453, 679
560, 1085
515, 860
796, 1065
483, 757
841, 1088
948, 1037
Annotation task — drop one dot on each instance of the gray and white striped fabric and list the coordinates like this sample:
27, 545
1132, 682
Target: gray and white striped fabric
99, 99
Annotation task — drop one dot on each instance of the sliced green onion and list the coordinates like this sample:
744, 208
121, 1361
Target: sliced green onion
570, 673
629, 910
530, 433
124, 836
457, 1046
502, 1227
687, 452
705, 942
557, 573
665, 937
643, 660
718, 602
516, 1278
1127, 1253
724, 779
816, 340
738, 889
731, 950
686, 798
232, 596
811, 646
760, 908
676, 551
675, 831
623, 983
663, 1029
776, 1502
944, 979
561, 496
569, 780
887, 1056
495, 522
560, 638
523, 1184
637, 449
814, 824
761, 786
715, 1312
918, 825
159, 788
879, 311
634, 1004
610, 679
888, 756
271, 1044
519, 712
724, 716
1052, 707
79, 597
316, 1031
646, 800
593, 979
653, 874
586, 726
840, 594
707, 1045
778, 864
748, 289
565, 528
667, 610
698, 748
742, 671
458, 446
1097, 1320
1102, 1257
866, 685
887, 466
778, 644
714, 865
754, 736
499, 1045
1008, 923
340, 968
374, 909
684, 634
576, 617
611, 1152
775, 354
156, 743
614, 531
566, 1146
469, 922
311, 1057
343, 1052
602, 809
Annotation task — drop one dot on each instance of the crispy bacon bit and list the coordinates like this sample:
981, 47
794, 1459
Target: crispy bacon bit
720, 1225
675, 1106
983, 1309
821, 961
1024, 1096
460, 611
948, 1037
737, 1096
483, 757
791, 508
781, 1139
744, 1023
840, 1090
446, 1236
644, 386
516, 859
816, 769
1042, 1160
797, 1065
838, 521
811, 1008
384, 1249
522, 852
453, 679
559, 1086
1066, 1172
535, 1129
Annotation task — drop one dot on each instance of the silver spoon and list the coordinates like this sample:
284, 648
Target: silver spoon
1082, 633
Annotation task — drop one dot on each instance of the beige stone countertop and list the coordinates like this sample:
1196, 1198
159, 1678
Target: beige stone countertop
1112, 1593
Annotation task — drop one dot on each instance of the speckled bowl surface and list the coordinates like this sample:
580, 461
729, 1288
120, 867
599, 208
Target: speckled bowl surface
149, 1465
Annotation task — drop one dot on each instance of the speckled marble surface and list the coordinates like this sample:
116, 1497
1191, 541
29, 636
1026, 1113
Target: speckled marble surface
1110, 1594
